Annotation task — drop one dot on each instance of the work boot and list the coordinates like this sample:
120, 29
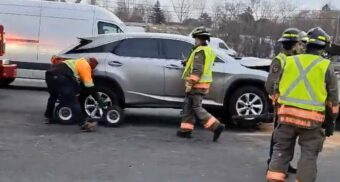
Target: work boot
186, 134
291, 170
88, 126
50, 121
218, 131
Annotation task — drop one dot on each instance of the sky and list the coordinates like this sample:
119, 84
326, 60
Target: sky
211, 4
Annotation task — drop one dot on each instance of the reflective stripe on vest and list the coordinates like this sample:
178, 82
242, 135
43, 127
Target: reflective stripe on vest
72, 65
304, 96
206, 76
282, 58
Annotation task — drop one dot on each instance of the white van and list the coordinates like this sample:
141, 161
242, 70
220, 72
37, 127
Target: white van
219, 44
36, 30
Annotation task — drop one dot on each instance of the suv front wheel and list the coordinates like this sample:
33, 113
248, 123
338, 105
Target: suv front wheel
247, 100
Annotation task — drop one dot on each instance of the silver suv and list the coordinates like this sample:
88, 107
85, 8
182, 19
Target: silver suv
144, 70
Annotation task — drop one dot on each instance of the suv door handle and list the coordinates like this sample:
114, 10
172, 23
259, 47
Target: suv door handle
115, 63
173, 66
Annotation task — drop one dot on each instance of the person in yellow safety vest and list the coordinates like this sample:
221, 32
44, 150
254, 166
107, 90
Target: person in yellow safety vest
197, 76
308, 99
62, 81
293, 42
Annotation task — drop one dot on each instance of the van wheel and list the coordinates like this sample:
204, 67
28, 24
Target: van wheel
6, 81
113, 116
244, 101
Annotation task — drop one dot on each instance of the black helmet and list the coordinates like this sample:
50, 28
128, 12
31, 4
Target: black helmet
290, 35
317, 36
200, 32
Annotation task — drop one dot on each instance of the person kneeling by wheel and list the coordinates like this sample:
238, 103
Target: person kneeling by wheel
63, 81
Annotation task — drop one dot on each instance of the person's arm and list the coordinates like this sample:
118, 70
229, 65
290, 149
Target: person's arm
85, 75
332, 101
198, 65
272, 83
332, 92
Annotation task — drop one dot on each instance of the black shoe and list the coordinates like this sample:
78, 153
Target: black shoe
291, 170
50, 121
218, 131
182, 134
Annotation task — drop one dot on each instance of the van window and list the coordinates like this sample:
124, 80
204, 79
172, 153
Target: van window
138, 47
222, 46
105, 28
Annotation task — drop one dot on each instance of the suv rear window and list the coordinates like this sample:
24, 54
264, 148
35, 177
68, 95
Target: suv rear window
138, 47
175, 49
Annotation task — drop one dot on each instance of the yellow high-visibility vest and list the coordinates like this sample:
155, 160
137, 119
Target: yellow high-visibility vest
302, 83
210, 56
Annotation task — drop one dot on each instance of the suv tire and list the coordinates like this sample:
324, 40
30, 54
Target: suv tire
247, 100
104, 91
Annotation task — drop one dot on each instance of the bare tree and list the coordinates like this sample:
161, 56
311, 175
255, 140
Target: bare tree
267, 10
125, 9
200, 6
286, 9
182, 8
234, 9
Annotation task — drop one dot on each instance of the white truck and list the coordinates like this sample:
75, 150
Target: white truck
36, 30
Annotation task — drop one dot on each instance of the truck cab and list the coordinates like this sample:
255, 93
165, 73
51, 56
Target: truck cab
7, 71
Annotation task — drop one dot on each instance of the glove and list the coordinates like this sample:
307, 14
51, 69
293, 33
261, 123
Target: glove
100, 103
184, 62
92, 91
329, 128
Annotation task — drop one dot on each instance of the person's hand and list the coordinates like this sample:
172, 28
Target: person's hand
100, 103
188, 86
184, 62
329, 129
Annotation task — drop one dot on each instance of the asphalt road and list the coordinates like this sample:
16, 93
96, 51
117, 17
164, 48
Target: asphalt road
144, 149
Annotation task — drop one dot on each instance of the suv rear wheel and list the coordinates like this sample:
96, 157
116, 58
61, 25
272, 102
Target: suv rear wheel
247, 100
110, 100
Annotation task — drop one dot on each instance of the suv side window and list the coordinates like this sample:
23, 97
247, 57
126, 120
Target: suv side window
105, 28
138, 47
175, 49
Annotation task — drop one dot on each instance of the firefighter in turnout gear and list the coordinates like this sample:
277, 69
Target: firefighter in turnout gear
197, 76
308, 102
293, 42
62, 81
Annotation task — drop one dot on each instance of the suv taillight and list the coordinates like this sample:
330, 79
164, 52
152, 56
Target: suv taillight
56, 59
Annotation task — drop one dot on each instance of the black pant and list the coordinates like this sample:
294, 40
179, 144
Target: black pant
65, 90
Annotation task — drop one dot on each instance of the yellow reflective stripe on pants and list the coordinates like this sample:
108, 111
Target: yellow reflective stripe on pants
187, 126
